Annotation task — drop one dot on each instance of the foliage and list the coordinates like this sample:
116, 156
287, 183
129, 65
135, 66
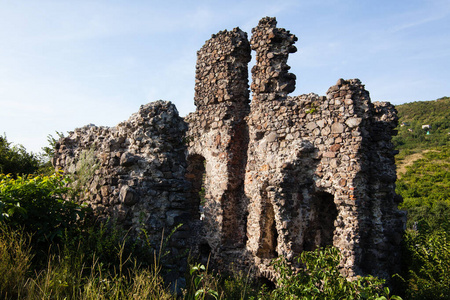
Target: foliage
93, 260
48, 154
82, 171
202, 283
321, 279
49, 151
39, 205
317, 278
71, 275
15, 160
425, 189
428, 264
15, 260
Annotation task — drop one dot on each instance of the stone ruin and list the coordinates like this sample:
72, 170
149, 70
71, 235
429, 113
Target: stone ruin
252, 180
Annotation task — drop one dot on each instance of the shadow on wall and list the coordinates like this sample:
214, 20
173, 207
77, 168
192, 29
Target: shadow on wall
381, 223
269, 234
310, 212
234, 201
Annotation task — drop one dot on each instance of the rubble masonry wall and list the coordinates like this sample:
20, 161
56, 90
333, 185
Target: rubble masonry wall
254, 180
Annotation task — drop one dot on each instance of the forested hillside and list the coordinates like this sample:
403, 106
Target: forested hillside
423, 125
423, 168
424, 160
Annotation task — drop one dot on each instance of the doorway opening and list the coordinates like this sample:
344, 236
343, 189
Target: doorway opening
320, 230
196, 175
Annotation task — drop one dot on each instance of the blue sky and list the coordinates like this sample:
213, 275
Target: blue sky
65, 64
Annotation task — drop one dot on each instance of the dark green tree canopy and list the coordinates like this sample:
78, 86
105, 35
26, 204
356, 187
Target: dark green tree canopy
15, 160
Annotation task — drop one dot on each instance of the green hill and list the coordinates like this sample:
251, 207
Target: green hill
423, 164
423, 169
423, 125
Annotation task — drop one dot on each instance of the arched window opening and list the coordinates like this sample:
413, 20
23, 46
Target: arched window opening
269, 234
196, 174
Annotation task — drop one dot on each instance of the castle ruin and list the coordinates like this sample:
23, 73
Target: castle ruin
253, 180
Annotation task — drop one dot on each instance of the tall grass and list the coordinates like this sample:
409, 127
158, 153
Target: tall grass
74, 273
61, 281
15, 261
70, 275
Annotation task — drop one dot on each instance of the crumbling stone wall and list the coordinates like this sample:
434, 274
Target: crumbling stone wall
218, 138
140, 176
319, 170
253, 181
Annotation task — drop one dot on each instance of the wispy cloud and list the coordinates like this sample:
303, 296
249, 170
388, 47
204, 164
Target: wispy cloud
418, 22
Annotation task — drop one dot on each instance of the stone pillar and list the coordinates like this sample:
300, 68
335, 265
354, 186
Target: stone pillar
350, 110
218, 135
270, 75
383, 221
268, 121
371, 231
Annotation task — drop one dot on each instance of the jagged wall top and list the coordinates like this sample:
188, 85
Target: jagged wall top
270, 74
221, 70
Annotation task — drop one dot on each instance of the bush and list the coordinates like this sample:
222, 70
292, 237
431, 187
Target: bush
320, 279
428, 264
317, 278
39, 205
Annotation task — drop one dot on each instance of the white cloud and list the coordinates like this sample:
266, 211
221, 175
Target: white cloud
417, 19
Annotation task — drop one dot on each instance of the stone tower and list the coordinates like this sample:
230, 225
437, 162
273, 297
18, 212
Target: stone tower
217, 136
304, 173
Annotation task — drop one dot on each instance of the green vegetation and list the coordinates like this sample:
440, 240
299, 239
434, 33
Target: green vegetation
425, 188
15, 160
428, 263
412, 137
424, 184
71, 275
38, 205
321, 279
52, 248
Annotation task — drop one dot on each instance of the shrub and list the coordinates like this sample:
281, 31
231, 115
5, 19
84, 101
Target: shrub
320, 279
39, 205
428, 264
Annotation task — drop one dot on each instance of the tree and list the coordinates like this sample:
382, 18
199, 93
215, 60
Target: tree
15, 160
